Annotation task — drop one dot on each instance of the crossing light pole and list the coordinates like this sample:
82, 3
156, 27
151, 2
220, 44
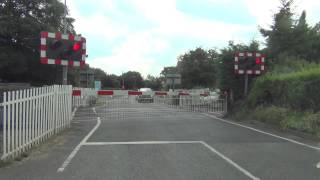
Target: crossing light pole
65, 68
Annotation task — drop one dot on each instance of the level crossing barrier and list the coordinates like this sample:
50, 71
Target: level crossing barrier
118, 105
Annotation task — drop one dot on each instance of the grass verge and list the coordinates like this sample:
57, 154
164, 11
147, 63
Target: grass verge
285, 118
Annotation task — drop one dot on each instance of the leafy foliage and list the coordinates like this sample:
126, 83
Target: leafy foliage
297, 90
284, 118
132, 80
293, 37
112, 81
197, 68
21, 23
152, 82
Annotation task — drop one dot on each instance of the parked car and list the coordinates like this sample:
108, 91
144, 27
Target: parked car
145, 99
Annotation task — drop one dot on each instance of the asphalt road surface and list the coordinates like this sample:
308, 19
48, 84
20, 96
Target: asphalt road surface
156, 142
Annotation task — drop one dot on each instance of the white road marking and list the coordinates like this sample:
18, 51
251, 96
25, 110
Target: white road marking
86, 120
263, 132
245, 172
77, 148
318, 165
139, 143
74, 112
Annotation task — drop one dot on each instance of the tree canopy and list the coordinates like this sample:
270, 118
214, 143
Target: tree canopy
20, 25
132, 80
197, 68
290, 36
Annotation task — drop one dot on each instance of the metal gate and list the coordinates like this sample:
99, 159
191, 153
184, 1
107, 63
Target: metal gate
149, 107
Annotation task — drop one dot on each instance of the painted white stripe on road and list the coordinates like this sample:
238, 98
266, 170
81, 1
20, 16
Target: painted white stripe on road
263, 132
86, 120
77, 148
139, 143
74, 112
318, 165
245, 172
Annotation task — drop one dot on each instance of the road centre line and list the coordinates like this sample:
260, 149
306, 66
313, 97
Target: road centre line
238, 167
263, 132
77, 148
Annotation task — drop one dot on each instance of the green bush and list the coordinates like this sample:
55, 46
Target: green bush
289, 64
303, 121
285, 118
269, 114
298, 90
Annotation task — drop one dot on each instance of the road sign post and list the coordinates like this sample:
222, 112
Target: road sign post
173, 79
246, 79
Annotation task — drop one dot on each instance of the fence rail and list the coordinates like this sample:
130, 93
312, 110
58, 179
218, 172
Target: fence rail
160, 105
31, 116
87, 97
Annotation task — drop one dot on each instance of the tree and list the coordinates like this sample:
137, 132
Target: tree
100, 75
21, 23
132, 80
169, 70
280, 36
314, 52
111, 81
152, 82
197, 68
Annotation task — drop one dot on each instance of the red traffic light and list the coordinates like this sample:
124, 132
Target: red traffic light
76, 47
258, 60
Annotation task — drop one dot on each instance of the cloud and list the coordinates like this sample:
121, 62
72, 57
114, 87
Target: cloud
263, 11
137, 53
145, 35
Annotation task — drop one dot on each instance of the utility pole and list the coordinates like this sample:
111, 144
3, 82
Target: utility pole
65, 68
173, 84
123, 87
246, 81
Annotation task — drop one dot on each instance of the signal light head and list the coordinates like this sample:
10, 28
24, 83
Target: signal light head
258, 60
55, 44
76, 46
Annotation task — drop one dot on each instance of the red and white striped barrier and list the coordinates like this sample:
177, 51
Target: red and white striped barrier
138, 93
161, 93
76, 92
105, 93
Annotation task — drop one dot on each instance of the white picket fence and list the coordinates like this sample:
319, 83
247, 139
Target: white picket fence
30, 116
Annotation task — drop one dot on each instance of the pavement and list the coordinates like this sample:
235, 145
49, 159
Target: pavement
156, 142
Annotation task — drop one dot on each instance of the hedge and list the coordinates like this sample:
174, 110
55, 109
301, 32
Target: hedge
297, 90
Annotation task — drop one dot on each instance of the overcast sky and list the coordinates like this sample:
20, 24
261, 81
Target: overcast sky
146, 35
